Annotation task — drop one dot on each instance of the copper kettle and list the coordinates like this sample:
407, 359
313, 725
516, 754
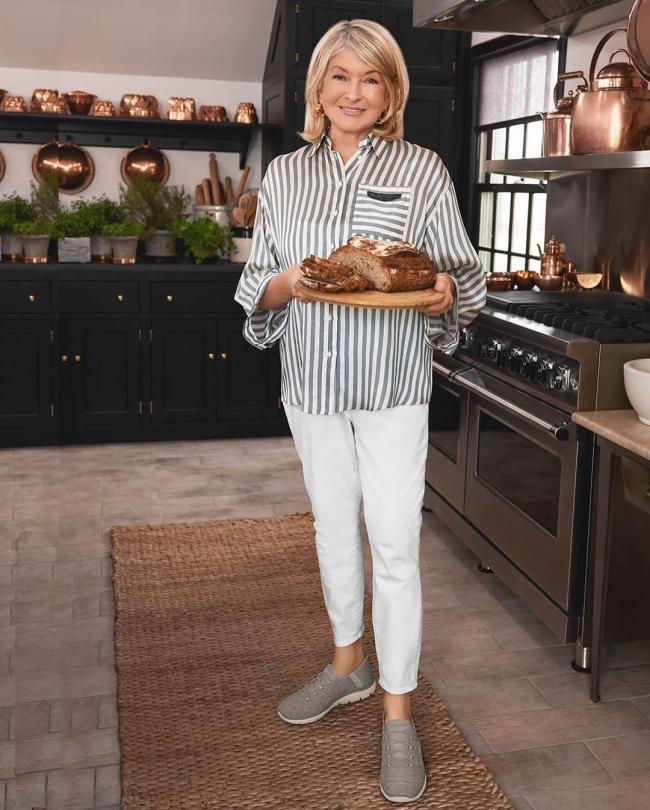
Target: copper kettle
613, 115
557, 123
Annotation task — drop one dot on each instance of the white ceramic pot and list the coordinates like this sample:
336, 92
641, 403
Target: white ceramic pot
636, 376
242, 249
218, 213
160, 245
12, 245
100, 247
124, 249
35, 248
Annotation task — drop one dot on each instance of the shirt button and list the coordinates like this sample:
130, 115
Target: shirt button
329, 354
335, 212
329, 318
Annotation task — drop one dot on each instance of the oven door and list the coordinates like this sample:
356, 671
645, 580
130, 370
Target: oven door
522, 469
447, 434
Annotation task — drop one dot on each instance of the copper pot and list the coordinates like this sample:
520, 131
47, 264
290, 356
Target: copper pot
212, 112
79, 102
145, 161
3, 166
245, 113
3, 93
557, 124
73, 165
525, 279
102, 108
43, 96
550, 282
13, 104
613, 115
139, 106
498, 282
181, 109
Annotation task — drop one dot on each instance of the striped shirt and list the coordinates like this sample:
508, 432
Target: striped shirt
337, 357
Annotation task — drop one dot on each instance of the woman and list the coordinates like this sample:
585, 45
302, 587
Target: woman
356, 382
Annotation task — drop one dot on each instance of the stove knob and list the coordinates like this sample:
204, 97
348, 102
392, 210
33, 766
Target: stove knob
514, 360
560, 379
482, 349
545, 373
529, 365
493, 349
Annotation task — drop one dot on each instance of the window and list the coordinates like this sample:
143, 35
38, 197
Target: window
514, 86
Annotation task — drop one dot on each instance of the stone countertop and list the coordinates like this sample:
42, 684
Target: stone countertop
618, 427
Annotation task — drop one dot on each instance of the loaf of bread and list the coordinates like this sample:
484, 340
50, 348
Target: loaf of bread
389, 266
331, 276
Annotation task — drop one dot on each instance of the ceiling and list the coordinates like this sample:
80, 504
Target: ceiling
203, 39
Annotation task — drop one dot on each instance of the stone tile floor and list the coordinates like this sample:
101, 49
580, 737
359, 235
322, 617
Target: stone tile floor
506, 680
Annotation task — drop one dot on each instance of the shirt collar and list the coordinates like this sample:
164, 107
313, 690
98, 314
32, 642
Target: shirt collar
371, 142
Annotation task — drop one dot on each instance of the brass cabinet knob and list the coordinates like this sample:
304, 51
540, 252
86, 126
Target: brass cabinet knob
31, 298
169, 297
64, 358
77, 358
223, 356
120, 297
210, 355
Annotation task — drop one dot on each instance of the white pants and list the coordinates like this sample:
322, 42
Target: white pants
381, 456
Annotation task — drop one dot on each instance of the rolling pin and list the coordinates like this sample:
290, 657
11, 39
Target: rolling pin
207, 193
229, 192
242, 184
214, 180
199, 199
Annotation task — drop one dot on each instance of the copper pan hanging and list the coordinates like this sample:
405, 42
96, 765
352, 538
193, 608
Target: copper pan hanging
638, 37
145, 161
72, 164
3, 166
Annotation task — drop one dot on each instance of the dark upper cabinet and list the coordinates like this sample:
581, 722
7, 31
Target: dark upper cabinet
249, 379
314, 18
25, 373
430, 118
99, 377
183, 369
432, 55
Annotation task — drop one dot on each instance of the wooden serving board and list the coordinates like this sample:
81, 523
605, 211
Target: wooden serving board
375, 299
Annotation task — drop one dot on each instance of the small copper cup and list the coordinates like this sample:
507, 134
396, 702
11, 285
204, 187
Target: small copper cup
57, 106
181, 109
13, 104
245, 113
133, 105
102, 108
43, 96
79, 102
212, 112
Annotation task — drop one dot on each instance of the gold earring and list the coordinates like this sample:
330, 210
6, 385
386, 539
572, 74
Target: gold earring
318, 109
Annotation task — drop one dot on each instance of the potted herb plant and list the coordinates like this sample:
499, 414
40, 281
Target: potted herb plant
159, 209
96, 214
72, 231
13, 209
37, 230
124, 238
205, 239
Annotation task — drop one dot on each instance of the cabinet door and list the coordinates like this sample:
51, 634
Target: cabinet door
430, 121
249, 379
100, 372
432, 55
25, 373
314, 18
183, 370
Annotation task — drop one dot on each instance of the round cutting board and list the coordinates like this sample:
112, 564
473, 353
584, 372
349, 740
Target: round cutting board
377, 300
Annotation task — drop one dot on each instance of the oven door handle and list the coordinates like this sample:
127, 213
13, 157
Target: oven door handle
448, 373
560, 430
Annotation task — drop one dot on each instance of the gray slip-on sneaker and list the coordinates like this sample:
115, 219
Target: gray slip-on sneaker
326, 691
403, 777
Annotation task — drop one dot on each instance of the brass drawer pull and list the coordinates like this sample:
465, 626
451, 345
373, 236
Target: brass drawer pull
120, 297
210, 355
223, 356
31, 298
77, 358
169, 297
64, 358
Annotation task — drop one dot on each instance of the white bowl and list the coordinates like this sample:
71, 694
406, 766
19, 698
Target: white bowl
636, 376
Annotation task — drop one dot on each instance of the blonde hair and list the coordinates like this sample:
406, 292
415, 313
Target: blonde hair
373, 44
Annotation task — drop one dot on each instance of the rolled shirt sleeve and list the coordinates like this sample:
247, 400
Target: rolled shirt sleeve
450, 249
261, 328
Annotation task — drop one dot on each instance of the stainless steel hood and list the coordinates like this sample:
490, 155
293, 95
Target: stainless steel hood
542, 17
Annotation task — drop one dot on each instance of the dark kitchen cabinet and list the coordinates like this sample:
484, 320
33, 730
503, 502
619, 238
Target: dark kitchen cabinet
183, 370
246, 387
25, 373
437, 62
91, 353
99, 371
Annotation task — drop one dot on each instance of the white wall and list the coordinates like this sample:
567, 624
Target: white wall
187, 168
580, 48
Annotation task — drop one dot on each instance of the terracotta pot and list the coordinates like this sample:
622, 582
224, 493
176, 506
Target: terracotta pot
124, 249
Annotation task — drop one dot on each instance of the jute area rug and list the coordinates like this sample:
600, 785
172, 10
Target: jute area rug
215, 623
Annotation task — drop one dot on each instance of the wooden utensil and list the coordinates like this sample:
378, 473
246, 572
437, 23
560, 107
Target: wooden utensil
242, 184
238, 217
376, 299
251, 211
207, 192
199, 199
229, 192
214, 179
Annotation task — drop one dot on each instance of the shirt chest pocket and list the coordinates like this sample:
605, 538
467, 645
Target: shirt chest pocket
381, 211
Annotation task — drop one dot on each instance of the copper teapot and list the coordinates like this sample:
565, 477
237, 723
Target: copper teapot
613, 115
557, 123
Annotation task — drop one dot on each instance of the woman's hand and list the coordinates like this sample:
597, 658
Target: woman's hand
295, 286
443, 284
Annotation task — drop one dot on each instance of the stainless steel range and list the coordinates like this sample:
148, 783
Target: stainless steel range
507, 469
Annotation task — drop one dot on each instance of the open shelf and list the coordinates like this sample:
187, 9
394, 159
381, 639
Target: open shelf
88, 130
541, 167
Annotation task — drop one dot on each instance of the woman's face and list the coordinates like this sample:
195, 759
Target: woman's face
353, 95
